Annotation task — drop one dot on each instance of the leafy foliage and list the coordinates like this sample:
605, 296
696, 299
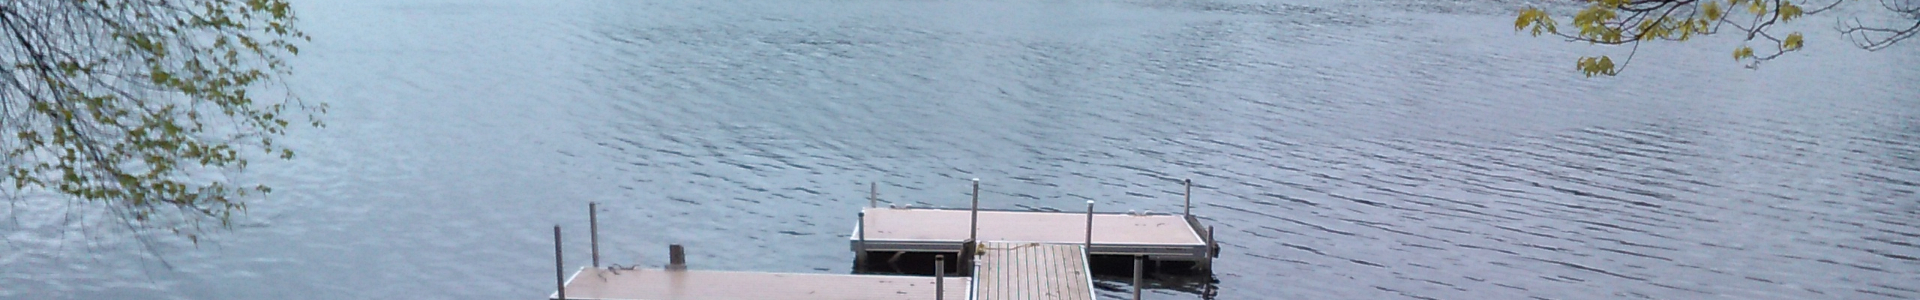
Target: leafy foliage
138, 106
1617, 22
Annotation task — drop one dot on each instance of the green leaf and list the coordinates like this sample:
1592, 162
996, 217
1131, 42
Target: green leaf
141, 146
1591, 66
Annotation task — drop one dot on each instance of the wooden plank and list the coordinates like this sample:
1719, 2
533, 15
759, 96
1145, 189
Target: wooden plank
918, 224
1032, 271
655, 284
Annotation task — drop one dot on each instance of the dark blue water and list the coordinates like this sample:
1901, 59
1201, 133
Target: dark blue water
1345, 150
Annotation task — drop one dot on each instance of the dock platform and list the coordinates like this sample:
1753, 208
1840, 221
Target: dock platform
998, 254
1032, 271
1160, 237
658, 284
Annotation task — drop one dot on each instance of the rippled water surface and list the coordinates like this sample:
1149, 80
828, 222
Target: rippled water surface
1345, 149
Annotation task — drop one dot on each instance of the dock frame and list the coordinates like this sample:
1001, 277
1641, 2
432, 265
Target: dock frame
1159, 237
1007, 255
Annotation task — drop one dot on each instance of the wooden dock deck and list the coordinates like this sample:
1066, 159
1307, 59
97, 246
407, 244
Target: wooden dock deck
1015, 255
1158, 236
1032, 271
657, 284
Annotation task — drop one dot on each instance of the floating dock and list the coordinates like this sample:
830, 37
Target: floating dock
1032, 271
659, 284
1015, 255
1160, 237
1005, 270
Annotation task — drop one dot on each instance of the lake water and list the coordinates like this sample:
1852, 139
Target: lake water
1390, 149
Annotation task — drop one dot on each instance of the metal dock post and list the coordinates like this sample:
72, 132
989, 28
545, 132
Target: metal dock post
973, 227
593, 230
559, 266
1189, 206
676, 257
1139, 263
860, 250
1213, 248
1089, 230
939, 277
873, 194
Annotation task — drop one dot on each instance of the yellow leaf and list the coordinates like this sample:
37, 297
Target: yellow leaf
1711, 9
1527, 16
1536, 18
1793, 42
1788, 11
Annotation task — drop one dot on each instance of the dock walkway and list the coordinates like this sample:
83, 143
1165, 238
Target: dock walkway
657, 284
1161, 237
1032, 271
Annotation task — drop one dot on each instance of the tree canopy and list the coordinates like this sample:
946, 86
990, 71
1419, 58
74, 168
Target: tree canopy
1630, 22
144, 107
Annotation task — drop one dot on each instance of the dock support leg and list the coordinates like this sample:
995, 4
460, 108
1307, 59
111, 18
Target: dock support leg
873, 194
939, 277
1213, 250
1189, 206
1089, 230
895, 260
593, 230
968, 250
1139, 265
559, 266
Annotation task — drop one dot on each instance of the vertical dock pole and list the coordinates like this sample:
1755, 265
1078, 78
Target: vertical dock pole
559, 266
973, 227
860, 250
1213, 251
1139, 263
939, 277
873, 194
1189, 206
1089, 230
593, 230
1212, 245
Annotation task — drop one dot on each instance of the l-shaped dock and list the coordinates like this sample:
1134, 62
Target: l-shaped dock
999, 254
